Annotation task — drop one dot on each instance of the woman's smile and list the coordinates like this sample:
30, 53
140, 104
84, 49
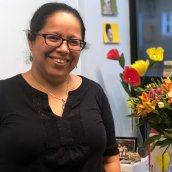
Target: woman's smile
59, 61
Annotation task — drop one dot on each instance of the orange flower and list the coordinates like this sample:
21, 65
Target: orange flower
140, 111
146, 107
157, 99
167, 84
169, 96
150, 106
167, 80
143, 110
144, 97
165, 87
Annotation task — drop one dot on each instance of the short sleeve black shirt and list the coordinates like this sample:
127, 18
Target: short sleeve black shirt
33, 139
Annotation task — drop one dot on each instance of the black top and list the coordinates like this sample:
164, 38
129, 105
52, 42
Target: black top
33, 139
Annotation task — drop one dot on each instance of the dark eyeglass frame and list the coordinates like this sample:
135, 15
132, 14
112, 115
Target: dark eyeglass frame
44, 35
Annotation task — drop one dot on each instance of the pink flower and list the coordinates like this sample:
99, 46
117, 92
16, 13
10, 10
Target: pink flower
159, 91
113, 54
152, 93
131, 76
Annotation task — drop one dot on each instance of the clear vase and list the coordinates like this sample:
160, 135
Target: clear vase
137, 133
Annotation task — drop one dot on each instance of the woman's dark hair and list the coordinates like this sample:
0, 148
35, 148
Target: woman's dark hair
40, 16
108, 26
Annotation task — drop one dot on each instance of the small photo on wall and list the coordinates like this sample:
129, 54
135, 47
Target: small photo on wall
111, 33
109, 7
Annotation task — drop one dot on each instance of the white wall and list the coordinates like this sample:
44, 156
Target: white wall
15, 16
95, 65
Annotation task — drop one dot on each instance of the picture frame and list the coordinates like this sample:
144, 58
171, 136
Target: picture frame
111, 33
126, 144
109, 7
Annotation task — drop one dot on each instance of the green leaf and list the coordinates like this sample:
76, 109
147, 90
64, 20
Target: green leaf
122, 61
165, 143
147, 119
157, 127
126, 88
155, 111
131, 115
151, 64
169, 130
167, 134
139, 89
166, 104
152, 139
153, 145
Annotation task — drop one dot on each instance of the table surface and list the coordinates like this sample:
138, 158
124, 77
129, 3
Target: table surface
141, 166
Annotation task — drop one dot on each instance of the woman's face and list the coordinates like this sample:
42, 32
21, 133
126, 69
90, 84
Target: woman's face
59, 61
110, 35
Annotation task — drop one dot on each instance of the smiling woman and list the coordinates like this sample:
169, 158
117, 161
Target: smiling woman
61, 121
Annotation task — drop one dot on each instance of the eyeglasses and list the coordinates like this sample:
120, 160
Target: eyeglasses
55, 40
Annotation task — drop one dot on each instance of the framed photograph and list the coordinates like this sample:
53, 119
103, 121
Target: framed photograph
111, 33
109, 7
126, 144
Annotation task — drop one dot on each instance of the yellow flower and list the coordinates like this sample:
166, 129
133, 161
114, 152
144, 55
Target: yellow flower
155, 54
160, 104
141, 66
131, 104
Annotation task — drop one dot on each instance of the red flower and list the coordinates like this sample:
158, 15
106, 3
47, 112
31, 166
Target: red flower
131, 76
113, 54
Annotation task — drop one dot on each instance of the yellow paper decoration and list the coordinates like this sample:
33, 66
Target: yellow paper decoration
166, 161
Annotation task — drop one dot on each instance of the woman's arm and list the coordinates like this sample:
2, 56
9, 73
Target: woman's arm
112, 163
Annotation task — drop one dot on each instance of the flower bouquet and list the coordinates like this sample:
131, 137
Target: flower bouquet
151, 103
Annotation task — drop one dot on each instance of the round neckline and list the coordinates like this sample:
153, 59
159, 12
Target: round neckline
72, 92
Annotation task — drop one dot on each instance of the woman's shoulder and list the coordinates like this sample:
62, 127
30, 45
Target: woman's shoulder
92, 85
8, 82
82, 81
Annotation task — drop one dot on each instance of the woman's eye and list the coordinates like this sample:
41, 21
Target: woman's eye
73, 42
53, 38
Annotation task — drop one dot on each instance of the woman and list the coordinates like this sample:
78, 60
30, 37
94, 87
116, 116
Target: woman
51, 120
